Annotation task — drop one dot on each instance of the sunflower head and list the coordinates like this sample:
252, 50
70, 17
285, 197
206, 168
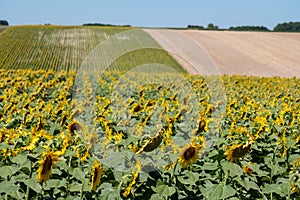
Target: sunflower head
247, 170
189, 155
44, 171
73, 127
97, 172
235, 152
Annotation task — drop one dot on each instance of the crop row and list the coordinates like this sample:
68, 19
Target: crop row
70, 47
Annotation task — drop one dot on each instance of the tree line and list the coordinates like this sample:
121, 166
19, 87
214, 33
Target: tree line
281, 27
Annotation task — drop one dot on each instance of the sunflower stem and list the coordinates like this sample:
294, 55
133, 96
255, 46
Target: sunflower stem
27, 187
81, 192
173, 172
68, 178
289, 190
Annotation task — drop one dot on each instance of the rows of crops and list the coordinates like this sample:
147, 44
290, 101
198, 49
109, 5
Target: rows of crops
151, 136
68, 47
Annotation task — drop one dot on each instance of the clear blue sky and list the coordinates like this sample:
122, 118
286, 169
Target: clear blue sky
152, 13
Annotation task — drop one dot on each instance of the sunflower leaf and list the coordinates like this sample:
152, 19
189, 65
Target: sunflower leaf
33, 184
6, 171
19, 159
164, 190
8, 187
232, 168
218, 191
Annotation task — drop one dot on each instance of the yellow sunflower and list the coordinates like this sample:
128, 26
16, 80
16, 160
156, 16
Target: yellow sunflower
235, 152
135, 176
46, 164
97, 172
189, 155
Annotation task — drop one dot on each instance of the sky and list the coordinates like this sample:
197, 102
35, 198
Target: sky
151, 13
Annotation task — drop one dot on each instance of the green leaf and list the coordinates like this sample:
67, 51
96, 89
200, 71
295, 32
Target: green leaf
272, 188
6, 146
33, 184
78, 174
232, 168
56, 171
75, 187
164, 190
52, 183
156, 197
210, 166
19, 159
17, 195
218, 192
189, 178
6, 171
8, 187
20, 177
108, 192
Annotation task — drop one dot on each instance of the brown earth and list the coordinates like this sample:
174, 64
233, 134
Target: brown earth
227, 52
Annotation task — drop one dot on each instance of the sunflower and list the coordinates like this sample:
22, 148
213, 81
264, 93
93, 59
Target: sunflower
74, 126
202, 125
44, 171
235, 152
96, 175
170, 166
247, 170
189, 155
135, 176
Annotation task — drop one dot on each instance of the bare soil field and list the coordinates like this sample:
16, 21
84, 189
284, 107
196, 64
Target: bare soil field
227, 52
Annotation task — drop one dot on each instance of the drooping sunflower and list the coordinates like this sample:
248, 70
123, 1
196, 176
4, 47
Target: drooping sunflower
235, 152
74, 126
46, 164
97, 172
189, 155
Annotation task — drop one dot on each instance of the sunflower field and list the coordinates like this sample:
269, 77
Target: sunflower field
147, 135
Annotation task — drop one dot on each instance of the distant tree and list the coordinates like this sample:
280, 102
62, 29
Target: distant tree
288, 27
195, 27
4, 22
248, 28
100, 24
211, 26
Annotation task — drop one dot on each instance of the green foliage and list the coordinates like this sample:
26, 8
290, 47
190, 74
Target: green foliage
101, 24
288, 27
248, 28
211, 26
4, 23
195, 27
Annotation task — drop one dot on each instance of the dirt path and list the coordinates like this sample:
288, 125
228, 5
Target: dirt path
226, 52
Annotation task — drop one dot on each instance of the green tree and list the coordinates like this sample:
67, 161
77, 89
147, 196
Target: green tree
288, 27
4, 22
211, 26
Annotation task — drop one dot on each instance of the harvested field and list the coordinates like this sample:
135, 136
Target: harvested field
241, 53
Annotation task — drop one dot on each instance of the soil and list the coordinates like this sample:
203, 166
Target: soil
227, 52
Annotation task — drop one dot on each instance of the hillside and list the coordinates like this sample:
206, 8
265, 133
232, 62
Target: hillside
227, 52
72, 47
